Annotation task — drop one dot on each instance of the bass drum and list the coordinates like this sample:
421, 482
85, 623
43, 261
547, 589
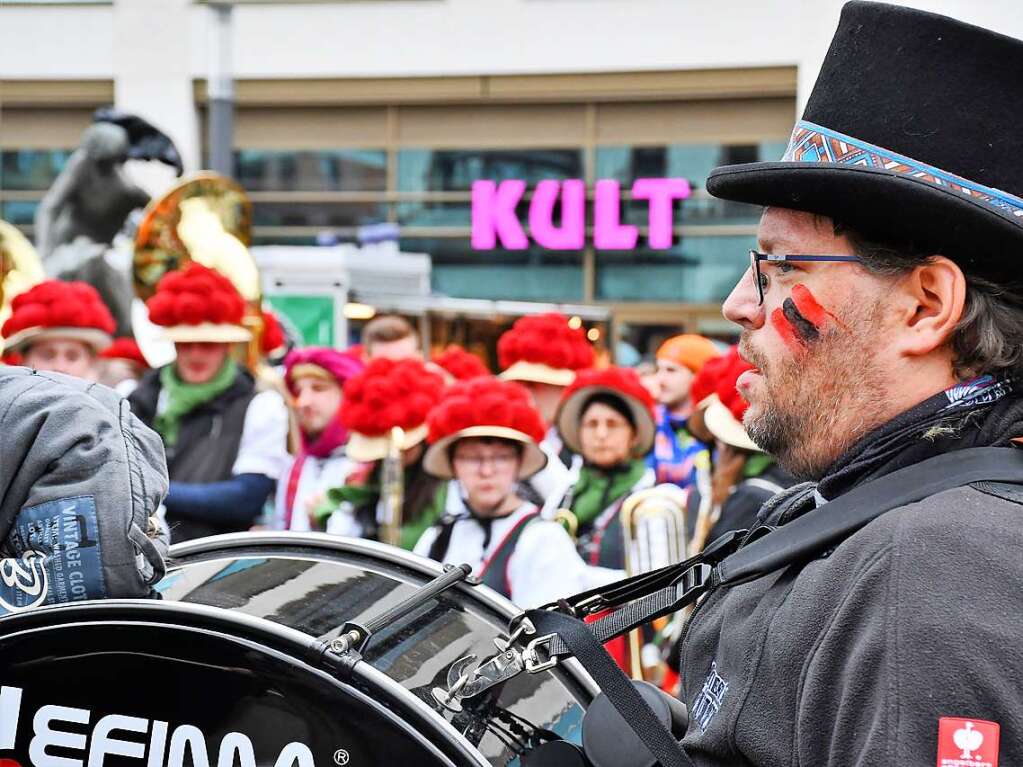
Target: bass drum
164, 684
313, 584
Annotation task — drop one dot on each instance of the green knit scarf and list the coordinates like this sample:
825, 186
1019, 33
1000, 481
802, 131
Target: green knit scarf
183, 398
599, 488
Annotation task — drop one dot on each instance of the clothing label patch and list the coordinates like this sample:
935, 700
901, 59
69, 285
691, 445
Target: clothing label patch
57, 556
967, 742
708, 702
981, 390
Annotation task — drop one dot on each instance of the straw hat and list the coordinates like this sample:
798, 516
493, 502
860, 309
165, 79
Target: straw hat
484, 407
622, 383
723, 417
388, 394
56, 309
198, 304
543, 348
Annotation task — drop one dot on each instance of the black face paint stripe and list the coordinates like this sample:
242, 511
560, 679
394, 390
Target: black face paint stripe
806, 329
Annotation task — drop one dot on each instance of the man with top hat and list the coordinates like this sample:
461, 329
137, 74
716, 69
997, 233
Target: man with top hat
226, 442
883, 312
676, 451
485, 434
543, 352
384, 410
59, 327
315, 377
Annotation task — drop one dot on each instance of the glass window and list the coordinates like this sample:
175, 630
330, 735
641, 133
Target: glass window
690, 161
19, 212
335, 170
454, 170
698, 269
31, 168
523, 275
327, 215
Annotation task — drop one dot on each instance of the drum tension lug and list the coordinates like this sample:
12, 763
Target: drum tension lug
353, 638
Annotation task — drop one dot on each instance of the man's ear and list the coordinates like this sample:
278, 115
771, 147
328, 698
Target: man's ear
933, 296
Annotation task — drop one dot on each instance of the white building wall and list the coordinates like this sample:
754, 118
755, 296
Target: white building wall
152, 49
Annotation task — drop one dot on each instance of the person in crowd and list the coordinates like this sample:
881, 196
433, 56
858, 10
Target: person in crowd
484, 434
226, 442
607, 417
743, 477
647, 372
315, 377
543, 352
387, 395
459, 364
676, 452
883, 312
390, 337
73, 451
121, 365
59, 327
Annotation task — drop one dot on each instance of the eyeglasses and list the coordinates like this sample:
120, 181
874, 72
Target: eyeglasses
759, 279
498, 461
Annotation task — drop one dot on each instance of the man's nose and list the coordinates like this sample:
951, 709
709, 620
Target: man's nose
743, 304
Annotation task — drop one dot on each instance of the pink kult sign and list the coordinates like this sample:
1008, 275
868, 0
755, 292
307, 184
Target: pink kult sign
494, 220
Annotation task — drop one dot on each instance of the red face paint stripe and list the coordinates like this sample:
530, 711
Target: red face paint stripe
786, 331
810, 308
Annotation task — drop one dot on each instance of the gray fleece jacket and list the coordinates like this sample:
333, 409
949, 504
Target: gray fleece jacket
857, 657
80, 480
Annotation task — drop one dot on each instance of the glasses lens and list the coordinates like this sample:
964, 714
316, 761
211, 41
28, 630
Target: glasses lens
755, 274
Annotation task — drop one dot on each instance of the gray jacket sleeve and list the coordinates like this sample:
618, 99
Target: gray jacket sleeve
926, 639
80, 482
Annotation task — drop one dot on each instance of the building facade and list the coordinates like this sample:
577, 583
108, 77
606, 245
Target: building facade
354, 113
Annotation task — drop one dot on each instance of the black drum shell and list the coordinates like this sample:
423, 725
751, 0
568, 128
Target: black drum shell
314, 583
172, 673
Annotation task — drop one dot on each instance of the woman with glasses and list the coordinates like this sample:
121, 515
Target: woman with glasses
485, 433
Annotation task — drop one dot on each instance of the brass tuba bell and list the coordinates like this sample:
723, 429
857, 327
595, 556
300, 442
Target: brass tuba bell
20, 267
655, 535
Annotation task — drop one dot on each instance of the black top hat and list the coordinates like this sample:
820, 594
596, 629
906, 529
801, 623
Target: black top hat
912, 131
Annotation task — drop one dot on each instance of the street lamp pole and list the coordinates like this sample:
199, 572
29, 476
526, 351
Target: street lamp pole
220, 89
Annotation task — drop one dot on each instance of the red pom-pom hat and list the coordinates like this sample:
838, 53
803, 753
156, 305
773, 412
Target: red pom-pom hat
56, 309
388, 394
198, 304
126, 349
622, 383
724, 414
544, 348
273, 338
702, 389
484, 407
460, 363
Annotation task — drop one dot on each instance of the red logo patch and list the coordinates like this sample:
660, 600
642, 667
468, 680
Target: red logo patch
967, 742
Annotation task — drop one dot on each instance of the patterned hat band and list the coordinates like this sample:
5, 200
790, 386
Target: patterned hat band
815, 143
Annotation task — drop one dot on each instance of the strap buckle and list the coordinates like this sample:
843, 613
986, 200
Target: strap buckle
532, 659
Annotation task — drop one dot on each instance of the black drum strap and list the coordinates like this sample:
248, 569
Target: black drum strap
615, 684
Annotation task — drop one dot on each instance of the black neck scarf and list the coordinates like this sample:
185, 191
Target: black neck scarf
983, 412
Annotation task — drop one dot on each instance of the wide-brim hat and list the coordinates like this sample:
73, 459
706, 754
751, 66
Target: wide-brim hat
365, 448
438, 456
207, 332
571, 409
536, 372
911, 132
723, 425
94, 338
